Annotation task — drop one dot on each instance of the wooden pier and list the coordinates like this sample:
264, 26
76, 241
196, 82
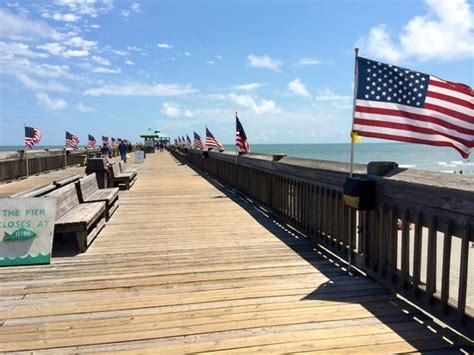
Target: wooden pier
186, 265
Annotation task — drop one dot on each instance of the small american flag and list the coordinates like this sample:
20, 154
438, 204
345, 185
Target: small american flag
32, 136
91, 142
113, 140
212, 142
241, 138
197, 141
188, 141
72, 140
105, 140
403, 105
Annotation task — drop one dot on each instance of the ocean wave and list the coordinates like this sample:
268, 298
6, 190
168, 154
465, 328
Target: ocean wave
407, 166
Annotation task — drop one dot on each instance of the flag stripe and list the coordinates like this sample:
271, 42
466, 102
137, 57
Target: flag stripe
458, 88
411, 128
403, 120
362, 104
449, 105
412, 139
451, 93
455, 100
447, 111
380, 113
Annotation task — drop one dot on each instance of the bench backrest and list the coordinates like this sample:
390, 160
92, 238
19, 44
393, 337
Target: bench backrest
87, 186
122, 167
66, 199
115, 168
66, 180
35, 192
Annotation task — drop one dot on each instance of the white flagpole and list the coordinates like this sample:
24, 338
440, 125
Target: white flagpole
351, 171
26, 158
236, 153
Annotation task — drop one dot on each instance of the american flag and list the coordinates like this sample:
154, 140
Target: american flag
72, 140
404, 105
183, 141
240, 137
212, 142
197, 141
175, 141
105, 140
188, 141
112, 139
91, 142
32, 136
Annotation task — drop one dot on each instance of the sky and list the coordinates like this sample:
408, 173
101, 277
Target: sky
117, 67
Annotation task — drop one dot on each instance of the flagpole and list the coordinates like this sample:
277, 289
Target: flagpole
26, 157
236, 153
351, 171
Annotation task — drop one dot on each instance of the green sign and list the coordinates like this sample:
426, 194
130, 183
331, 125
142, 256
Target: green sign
26, 230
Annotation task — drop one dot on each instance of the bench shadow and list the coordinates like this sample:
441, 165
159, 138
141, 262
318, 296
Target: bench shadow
408, 322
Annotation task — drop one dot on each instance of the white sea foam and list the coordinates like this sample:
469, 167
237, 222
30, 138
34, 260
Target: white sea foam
407, 166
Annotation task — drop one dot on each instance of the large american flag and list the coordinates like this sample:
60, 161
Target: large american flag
212, 142
240, 137
404, 105
32, 136
197, 141
71, 140
91, 142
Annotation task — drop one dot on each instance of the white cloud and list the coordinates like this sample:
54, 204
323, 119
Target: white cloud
248, 87
264, 62
16, 66
210, 62
61, 17
107, 70
247, 101
329, 95
139, 89
298, 88
101, 60
164, 45
134, 8
309, 61
91, 8
52, 104
445, 32
61, 51
174, 110
187, 54
82, 43
120, 52
86, 109
94, 26
50, 85
19, 27
129, 62
18, 49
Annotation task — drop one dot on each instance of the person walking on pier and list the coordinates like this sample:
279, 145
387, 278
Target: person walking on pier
123, 151
105, 151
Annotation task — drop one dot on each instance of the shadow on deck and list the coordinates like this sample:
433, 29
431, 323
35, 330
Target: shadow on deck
409, 324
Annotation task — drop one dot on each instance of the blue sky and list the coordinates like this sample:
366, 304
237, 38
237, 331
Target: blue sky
115, 67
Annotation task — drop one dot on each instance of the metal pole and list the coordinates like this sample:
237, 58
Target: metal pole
26, 157
236, 153
351, 171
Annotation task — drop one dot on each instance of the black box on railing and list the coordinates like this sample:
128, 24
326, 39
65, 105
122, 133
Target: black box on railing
359, 193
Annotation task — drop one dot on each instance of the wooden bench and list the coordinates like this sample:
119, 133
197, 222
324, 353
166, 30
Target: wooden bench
85, 220
119, 179
123, 169
88, 190
66, 180
36, 192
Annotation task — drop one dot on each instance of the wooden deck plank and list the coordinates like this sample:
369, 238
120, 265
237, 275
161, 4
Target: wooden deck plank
181, 267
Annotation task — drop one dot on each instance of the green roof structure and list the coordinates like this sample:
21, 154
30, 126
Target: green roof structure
151, 133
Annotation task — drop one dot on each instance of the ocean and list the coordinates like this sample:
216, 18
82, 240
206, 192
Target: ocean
413, 156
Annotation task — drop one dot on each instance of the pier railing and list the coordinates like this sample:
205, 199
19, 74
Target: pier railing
417, 241
17, 164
